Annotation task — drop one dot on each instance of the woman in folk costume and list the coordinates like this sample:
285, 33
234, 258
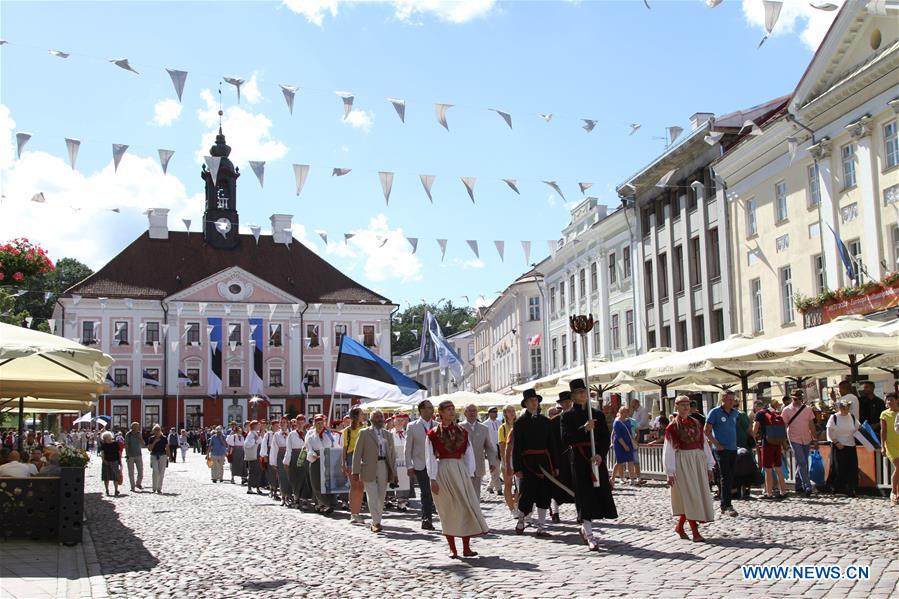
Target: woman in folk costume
688, 464
451, 464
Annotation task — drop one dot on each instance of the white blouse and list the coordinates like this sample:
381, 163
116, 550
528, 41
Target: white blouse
841, 429
669, 456
315, 444
433, 463
295, 441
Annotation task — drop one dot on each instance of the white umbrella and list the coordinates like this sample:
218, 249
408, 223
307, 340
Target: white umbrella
385, 404
603, 373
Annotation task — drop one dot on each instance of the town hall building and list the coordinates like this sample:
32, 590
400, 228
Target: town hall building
221, 327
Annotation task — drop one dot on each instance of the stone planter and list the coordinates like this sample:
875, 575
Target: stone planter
71, 505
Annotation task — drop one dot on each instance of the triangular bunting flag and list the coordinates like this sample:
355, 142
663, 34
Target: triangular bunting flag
386, 184
441, 114
21, 140
546, 117
186, 222
58, 53
442, 244
164, 157
300, 172
347, 237
212, 165
513, 185
427, 181
232, 345
555, 187
201, 307
165, 330
339, 172
792, 146
258, 167
526, 247
396, 335
271, 310
236, 82
289, 92
347, 98
295, 308
474, 247
76, 299
400, 107
179, 308
772, 13
214, 345
129, 303
674, 133
713, 137
39, 197
122, 63
584, 187
174, 345
72, 146
52, 324
500, 249
250, 309
47, 295
753, 128
178, 79
413, 241
469, 185
118, 151
103, 301
227, 308
256, 230
666, 178
323, 235
588, 125
506, 116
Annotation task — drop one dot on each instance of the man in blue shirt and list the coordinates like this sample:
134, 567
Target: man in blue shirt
721, 432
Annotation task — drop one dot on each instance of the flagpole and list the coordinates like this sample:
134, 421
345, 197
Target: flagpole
582, 325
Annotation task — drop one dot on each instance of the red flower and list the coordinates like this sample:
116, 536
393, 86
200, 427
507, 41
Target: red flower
2, 276
18, 276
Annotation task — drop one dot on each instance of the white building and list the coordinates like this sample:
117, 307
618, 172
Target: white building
592, 272
509, 337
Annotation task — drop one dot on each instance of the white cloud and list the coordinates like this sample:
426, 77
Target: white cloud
384, 252
77, 218
247, 133
313, 10
468, 264
451, 11
407, 11
166, 112
249, 91
360, 119
812, 24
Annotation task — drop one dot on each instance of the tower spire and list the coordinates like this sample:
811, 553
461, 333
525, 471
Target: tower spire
221, 112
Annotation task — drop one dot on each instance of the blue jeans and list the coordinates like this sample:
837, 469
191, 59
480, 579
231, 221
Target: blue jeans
800, 456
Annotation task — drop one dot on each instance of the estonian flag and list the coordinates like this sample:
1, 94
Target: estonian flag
866, 436
362, 372
183, 378
845, 256
150, 379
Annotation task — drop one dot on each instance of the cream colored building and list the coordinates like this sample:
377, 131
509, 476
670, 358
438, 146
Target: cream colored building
830, 160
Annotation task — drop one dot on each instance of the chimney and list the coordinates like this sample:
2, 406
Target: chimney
699, 119
601, 211
159, 223
281, 228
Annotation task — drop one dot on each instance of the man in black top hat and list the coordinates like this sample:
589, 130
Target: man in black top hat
560, 495
593, 502
533, 458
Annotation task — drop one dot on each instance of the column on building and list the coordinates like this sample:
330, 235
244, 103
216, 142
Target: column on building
820, 152
860, 130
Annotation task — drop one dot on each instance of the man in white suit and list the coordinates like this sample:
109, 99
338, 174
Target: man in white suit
416, 459
482, 444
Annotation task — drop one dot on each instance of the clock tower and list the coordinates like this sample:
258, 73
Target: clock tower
220, 220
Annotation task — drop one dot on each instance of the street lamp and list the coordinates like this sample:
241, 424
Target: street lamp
582, 325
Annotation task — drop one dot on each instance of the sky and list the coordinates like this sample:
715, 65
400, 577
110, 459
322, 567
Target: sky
618, 63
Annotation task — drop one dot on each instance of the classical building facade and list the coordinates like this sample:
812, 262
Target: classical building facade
430, 375
509, 336
682, 254
200, 323
825, 168
592, 271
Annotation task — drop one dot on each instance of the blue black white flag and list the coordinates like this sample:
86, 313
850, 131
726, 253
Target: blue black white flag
215, 357
435, 348
150, 378
363, 373
845, 256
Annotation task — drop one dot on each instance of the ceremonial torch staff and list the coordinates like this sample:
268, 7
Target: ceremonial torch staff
582, 325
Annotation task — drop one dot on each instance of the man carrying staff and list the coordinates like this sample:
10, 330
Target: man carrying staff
532, 460
688, 464
450, 467
594, 502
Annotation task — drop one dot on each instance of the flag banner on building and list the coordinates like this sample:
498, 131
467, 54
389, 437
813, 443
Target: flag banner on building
867, 438
363, 373
256, 374
183, 378
435, 348
215, 357
150, 379
845, 256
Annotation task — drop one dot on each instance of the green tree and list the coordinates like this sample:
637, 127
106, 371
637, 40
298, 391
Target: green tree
452, 320
9, 314
68, 272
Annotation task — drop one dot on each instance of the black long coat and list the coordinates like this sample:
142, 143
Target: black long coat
533, 433
593, 503
562, 462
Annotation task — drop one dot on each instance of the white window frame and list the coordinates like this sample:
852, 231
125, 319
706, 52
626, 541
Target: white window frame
272, 328
814, 185
752, 227
755, 296
891, 144
534, 308
847, 159
781, 210
820, 272
786, 295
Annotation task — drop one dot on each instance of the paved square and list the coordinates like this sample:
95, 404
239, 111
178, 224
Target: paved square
205, 540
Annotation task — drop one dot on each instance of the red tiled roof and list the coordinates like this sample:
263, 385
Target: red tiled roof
158, 268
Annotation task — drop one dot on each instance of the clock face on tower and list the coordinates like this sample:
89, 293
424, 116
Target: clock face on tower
223, 226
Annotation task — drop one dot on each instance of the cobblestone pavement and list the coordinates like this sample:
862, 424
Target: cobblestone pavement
200, 539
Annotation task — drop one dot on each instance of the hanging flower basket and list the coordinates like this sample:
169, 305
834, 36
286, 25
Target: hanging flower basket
21, 259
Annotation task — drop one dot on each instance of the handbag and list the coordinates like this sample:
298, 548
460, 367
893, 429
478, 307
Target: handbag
816, 468
209, 461
119, 477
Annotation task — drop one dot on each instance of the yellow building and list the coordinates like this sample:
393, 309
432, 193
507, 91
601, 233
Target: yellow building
825, 167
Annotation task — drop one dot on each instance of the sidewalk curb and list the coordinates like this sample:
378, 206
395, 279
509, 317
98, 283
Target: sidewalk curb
94, 572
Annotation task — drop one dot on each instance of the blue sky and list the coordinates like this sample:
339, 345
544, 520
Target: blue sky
615, 62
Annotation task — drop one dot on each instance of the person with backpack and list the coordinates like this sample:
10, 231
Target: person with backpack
801, 433
771, 431
841, 430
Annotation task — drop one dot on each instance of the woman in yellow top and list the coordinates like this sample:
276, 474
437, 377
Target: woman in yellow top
357, 487
505, 453
889, 441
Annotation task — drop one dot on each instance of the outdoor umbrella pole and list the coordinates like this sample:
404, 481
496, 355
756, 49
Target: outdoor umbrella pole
21, 423
582, 325
744, 389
